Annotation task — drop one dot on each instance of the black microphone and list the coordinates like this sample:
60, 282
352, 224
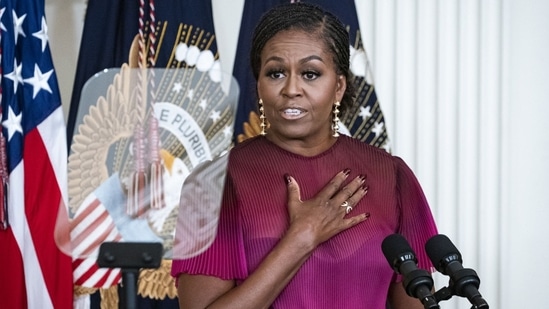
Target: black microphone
417, 282
446, 258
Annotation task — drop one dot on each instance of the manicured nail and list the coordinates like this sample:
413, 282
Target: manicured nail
347, 171
287, 179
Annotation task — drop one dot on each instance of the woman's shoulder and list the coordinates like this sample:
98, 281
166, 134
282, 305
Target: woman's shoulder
375, 154
249, 149
375, 157
249, 145
364, 147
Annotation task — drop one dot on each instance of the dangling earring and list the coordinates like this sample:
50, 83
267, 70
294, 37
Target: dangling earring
335, 125
262, 118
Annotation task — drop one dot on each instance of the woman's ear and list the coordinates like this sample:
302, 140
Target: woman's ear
257, 87
340, 87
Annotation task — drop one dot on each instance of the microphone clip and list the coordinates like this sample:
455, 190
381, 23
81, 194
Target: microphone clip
464, 283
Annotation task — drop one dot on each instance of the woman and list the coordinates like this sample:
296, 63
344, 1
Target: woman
305, 210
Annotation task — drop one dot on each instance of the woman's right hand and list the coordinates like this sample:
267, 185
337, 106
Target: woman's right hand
320, 218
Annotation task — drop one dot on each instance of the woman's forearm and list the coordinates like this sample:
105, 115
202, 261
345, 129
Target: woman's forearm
264, 285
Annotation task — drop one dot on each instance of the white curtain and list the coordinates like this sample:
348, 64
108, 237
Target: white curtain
464, 87
437, 68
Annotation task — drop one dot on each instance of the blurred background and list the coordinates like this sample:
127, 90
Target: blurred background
463, 85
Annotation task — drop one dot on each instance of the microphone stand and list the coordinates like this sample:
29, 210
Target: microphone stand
446, 293
419, 283
460, 281
130, 257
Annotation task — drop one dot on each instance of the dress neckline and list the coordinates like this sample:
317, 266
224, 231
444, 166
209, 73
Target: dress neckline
296, 155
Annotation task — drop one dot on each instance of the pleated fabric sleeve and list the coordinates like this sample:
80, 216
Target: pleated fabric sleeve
416, 222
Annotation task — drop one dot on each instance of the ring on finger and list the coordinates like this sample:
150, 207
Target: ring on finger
347, 206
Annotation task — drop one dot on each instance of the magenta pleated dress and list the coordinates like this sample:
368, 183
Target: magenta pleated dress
347, 271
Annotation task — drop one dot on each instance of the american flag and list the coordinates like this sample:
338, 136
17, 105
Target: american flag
34, 272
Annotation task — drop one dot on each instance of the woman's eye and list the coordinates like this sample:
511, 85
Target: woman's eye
275, 74
310, 75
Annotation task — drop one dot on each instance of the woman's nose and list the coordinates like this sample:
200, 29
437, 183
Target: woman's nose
292, 86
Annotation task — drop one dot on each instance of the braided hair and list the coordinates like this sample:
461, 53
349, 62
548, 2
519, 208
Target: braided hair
316, 21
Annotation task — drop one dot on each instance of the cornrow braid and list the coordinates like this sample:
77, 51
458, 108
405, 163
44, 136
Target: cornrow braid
316, 21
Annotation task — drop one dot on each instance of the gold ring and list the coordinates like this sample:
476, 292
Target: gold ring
347, 206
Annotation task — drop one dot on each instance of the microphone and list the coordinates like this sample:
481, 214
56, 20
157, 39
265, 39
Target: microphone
446, 258
417, 282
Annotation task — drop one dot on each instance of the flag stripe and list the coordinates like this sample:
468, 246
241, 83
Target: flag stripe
12, 291
90, 275
91, 226
11, 266
88, 223
90, 245
85, 215
37, 189
55, 144
93, 234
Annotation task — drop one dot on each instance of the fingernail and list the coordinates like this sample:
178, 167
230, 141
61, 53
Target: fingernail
347, 171
287, 179
362, 178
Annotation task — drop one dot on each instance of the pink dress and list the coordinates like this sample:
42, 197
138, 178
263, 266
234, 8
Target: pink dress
349, 270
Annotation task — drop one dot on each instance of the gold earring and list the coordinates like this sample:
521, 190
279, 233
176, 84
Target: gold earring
335, 125
262, 118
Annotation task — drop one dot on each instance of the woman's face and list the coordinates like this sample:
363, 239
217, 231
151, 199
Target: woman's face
299, 85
